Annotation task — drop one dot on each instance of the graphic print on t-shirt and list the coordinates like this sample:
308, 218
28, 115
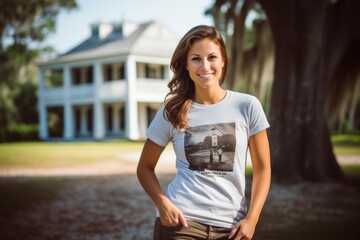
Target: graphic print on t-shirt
211, 147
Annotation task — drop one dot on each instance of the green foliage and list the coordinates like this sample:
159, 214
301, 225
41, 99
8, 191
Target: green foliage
249, 38
54, 78
25, 100
23, 23
7, 110
20, 115
346, 138
22, 132
55, 121
31, 20
23, 128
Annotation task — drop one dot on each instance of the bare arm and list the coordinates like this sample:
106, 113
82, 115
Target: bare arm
260, 156
170, 215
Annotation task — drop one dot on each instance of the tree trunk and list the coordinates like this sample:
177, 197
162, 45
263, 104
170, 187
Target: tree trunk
236, 49
231, 23
310, 38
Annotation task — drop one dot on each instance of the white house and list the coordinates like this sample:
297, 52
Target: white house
111, 85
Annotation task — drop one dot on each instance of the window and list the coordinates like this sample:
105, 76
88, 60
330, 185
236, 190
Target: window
151, 113
55, 120
114, 71
121, 70
109, 115
153, 71
162, 68
90, 114
150, 71
76, 76
122, 118
77, 121
89, 75
108, 72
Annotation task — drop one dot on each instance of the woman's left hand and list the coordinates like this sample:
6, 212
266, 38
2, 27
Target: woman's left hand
244, 230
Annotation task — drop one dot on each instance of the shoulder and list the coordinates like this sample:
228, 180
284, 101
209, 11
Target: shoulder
161, 112
243, 99
160, 116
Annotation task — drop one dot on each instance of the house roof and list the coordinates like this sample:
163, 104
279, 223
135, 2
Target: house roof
148, 39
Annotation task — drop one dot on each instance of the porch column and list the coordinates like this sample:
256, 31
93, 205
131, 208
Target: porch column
169, 73
43, 128
131, 108
143, 119
83, 121
99, 128
68, 111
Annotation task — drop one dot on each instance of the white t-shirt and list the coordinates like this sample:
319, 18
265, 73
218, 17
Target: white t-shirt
209, 186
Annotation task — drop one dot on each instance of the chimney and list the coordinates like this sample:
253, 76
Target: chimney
101, 30
128, 28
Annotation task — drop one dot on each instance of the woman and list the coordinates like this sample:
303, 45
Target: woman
204, 200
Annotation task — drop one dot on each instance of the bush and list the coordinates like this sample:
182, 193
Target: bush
22, 132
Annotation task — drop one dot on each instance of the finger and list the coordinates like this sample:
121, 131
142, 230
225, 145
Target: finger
233, 232
183, 220
169, 221
241, 235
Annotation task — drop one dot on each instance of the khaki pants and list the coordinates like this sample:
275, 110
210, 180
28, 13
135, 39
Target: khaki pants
195, 231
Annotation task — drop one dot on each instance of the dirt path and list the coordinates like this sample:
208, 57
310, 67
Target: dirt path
116, 207
91, 208
105, 201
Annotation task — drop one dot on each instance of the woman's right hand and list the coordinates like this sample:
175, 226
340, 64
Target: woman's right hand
170, 215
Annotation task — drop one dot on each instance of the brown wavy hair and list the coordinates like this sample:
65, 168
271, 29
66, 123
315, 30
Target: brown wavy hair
182, 88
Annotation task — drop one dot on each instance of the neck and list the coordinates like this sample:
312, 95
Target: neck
209, 96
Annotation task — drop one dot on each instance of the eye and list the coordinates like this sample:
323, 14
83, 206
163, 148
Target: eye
212, 57
195, 59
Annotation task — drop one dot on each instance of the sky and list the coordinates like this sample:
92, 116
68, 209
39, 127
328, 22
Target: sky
73, 27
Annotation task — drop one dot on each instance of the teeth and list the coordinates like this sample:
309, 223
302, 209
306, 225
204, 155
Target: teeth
205, 75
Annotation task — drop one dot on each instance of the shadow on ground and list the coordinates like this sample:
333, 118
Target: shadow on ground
115, 207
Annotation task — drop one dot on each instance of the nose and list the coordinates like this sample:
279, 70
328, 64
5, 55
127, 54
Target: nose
205, 64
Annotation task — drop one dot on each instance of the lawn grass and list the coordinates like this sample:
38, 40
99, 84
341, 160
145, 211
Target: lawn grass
351, 170
49, 154
341, 149
346, 144
55, 154
345, 138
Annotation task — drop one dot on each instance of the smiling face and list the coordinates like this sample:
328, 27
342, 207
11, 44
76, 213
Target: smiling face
205, 64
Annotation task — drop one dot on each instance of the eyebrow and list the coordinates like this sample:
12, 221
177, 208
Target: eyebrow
199, 54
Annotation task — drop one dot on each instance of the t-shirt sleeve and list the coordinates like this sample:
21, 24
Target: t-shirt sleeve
256, 116
160, 129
